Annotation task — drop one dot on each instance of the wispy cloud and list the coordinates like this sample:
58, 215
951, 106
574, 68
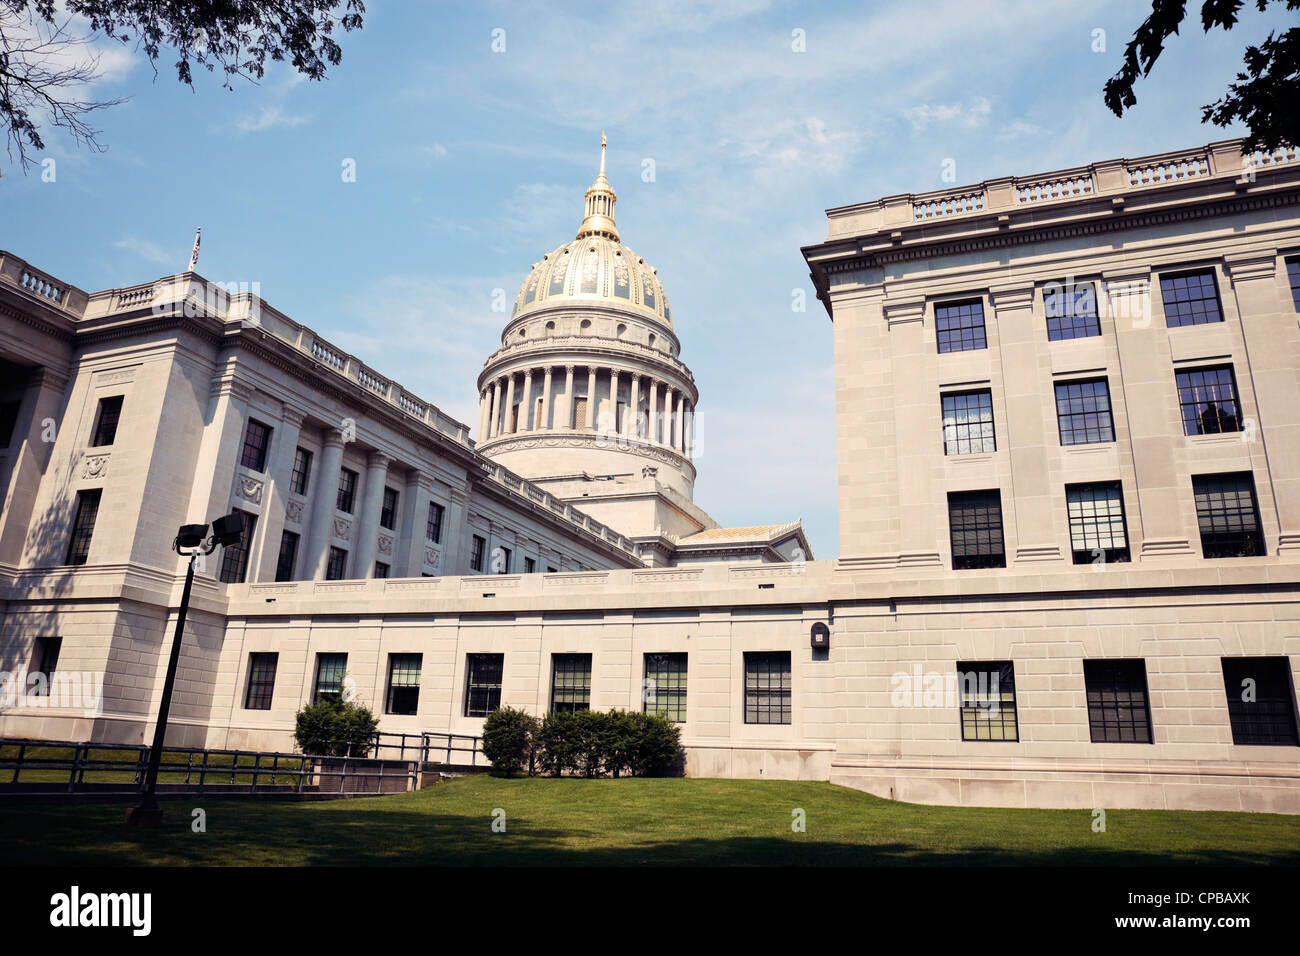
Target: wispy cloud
270, 117
147, 250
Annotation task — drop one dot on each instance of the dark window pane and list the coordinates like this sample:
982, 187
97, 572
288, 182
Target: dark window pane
433, 528
337, 565
968, 423
330, 669
45, 661
476, 553
483, 683
301, 471
665, 685
1071, 311
988, 701
288, 556
381, 569
110, 412
975, 528
234, 557
1118, 710
1083, 412
83, 526
388, 512
767, 687
347, 490
1190, 299
1293, 276
257, 438
8, 419
261, 681
1207, 399
404, 683
1261, 700
1227, 516
570, 682
960, 326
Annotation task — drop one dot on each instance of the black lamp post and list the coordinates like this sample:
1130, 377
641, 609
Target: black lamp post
192, 540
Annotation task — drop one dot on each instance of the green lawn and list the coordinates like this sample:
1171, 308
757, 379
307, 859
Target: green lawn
632, 822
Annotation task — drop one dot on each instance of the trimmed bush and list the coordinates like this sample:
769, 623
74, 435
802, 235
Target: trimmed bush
332, 727
509, 737
616, 742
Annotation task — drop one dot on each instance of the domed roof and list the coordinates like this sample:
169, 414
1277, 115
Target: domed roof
595, 268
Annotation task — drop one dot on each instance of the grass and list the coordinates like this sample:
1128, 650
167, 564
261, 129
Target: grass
633, 822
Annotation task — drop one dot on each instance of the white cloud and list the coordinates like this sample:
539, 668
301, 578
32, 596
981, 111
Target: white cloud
437, 151
270, 117
147, 249
972, 116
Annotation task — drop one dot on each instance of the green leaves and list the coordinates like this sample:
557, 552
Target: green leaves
587, 743
332, 727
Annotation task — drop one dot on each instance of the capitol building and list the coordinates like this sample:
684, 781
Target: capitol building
1068, 430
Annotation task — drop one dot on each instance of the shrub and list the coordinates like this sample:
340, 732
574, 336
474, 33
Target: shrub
332, 727
654, 746
555, 743
509, 738
593, 743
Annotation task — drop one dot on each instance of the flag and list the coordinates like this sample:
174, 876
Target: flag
194, 256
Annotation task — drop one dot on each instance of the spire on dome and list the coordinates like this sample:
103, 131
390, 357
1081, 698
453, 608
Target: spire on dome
600, 199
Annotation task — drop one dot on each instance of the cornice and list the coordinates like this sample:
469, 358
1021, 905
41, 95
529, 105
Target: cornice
530, 440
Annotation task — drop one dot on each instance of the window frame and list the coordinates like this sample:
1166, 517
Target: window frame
337, 661
478, 688
341, 556
281, 572
972, 704
1101, 683
97, 438
256, 683
403, 658
1057, 335
575, 687
675, 691
1061, 417
300, 479
957, 440
954, 306
1244, 726
478, 544
1248, 479
1118, 488
82, 533
759, 692
1202, 370
994, 560
433, 524
250, 449
388, 509
235, 557
346, 499
1184, 274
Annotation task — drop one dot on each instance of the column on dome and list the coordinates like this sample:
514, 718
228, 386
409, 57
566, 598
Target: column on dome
568, 399
634, 407
545, 423
654, 411
613, 401
591, 397
526, 406
496, 406
677, 432
511, 423
324, 499
688, 448
368, 528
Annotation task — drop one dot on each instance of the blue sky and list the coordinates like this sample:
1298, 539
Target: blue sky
471, 164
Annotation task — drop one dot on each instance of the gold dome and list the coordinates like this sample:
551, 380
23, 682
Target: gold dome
595, 268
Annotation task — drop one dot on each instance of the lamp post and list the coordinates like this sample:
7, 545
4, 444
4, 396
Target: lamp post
191, 540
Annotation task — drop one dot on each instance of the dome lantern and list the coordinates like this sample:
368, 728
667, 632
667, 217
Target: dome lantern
600, 201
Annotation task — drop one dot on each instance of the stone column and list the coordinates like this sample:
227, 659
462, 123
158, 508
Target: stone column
324, 497
613, 399
218, 456
484, 410
509, 427
546, 400
634, 427
496, 408
654, 411
455, 536
688, 444
408, 549
526, 406
363, 555
591, 397
27, 459
677, 435
275, 495
568, 399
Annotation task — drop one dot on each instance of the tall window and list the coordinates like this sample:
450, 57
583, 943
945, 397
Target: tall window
988, 701
45, 661
257, 439
8, 420
388, 513
347, 490
502, 566
403, 683
1118, 708
1191, 298
1227, 515
767, 687
476, 553
1083, 414
975, 528
301, 471
330, 669
579, 412
83, 526
665, 685
261, 681
433, 527
1293, 275
960, 326
968, 423
288, 556
1207, 399
1071, 311
336, 566
234, 557
1097, 529
529, 565
1261, 700
483, 683
570, 683
381, 569
106, 419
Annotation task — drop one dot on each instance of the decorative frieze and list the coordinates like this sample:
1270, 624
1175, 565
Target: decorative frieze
94, 467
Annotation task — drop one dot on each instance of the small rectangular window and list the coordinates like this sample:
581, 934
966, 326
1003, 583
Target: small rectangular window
1191, 298
483, 683
347, 490
404, 683
1228, 516
988, 701
1083, 413
234, 557
45, 661
301, 471
288, 557
570, 682
579, 412
261, 681
665, 686
767, 687
106, 419
381, 569
1071, 310
433, 527
1207, 400
388, 513
330, 669
83, 526
1261, 701
257, 439
975, 529
529, 565
476, 553
1118, 707
1097, 531
968, 423
503, 566
960, 326
337, 566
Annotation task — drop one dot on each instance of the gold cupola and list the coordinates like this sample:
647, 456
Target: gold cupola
600, 204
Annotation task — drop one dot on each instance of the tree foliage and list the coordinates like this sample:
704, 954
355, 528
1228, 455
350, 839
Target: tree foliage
44, 64
1266, 94
508, 739
332, 727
